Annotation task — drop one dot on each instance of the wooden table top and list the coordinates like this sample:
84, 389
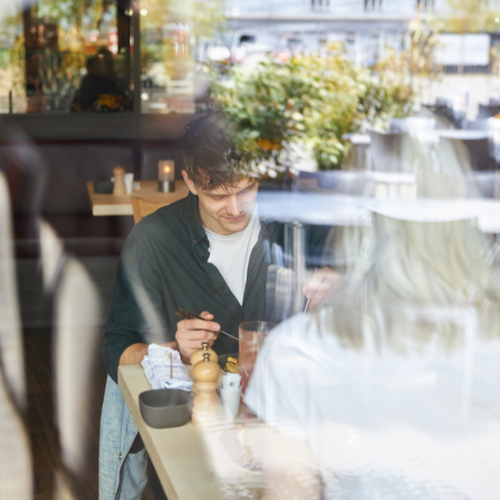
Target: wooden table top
108, 204
177, 453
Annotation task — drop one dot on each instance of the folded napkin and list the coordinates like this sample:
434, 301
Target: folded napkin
156, 366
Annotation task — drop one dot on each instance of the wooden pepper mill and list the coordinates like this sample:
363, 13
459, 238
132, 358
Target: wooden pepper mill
197, 356
206, 403
119, 188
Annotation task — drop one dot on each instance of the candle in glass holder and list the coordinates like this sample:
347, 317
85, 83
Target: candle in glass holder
166, 176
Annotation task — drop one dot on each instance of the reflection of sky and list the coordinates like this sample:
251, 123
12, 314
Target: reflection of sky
396, 420
343, 210
311, 208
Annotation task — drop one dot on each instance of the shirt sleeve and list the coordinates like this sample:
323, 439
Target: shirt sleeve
137, 311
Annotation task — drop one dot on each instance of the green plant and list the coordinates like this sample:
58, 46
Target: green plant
470, 16
390, 91
331, 109
17, 63
311, 101
255, 104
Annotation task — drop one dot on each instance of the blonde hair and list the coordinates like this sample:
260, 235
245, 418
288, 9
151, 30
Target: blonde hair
396, 268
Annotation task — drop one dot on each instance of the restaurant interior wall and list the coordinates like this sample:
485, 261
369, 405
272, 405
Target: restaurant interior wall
50, 144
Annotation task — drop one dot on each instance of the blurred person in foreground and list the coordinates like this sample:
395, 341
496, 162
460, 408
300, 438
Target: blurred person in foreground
208, 252
392, 390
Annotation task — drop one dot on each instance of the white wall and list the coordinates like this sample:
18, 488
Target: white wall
337, 7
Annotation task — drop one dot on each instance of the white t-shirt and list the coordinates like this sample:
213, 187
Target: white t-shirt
231, 254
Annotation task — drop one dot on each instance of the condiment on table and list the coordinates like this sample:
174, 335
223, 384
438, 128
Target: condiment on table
177, 453
180, 455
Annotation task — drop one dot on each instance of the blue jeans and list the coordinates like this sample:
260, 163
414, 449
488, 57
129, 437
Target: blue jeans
122, 475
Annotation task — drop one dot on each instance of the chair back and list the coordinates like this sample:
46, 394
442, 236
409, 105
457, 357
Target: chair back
453, 157
469, 154
483, 184
445, 116
488, 111
411, 124
442, 101
480, 152
350, 182
391, 152
482, 124
141, 208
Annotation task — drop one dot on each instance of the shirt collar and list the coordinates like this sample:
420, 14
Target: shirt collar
196, 231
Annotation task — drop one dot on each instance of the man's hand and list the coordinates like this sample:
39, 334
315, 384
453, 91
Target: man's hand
192, 332
324, 282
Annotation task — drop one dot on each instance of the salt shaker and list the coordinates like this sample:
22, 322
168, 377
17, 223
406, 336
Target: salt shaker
230, 394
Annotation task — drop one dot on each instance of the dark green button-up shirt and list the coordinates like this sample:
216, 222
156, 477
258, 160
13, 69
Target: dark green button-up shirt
164, 266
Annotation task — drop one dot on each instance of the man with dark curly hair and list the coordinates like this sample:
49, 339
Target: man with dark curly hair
208, 253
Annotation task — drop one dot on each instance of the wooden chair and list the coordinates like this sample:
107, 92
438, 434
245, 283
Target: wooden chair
141, 208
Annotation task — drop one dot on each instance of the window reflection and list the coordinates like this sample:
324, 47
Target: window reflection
166, 61
78, 57
68, 56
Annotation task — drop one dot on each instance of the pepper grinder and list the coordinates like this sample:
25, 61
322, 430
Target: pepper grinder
119, 188
206, 402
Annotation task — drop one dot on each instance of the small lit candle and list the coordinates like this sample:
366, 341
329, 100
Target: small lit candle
166, 170
166, 176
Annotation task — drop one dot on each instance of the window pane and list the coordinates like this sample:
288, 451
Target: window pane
166, 61
177, 38
66, 56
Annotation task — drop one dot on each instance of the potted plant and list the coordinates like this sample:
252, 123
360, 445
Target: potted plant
311, 102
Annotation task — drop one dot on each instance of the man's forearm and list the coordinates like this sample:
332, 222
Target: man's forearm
134, 354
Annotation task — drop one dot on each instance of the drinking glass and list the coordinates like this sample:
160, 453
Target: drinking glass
129, 182
251, 335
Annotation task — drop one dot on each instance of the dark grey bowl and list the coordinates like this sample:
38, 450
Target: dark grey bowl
164, 408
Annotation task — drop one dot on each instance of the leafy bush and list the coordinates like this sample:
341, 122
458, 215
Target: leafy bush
311, 101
